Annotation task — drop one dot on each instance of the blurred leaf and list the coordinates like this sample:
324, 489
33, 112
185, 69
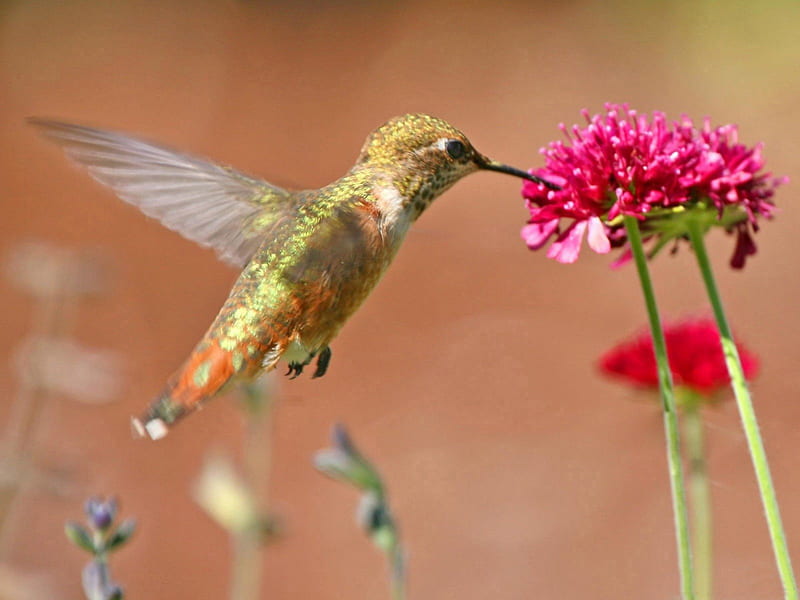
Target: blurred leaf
80, 536
344, 462
224, 495
374, 516
270, 527
121, 535
115, 593
62, 366
45, 270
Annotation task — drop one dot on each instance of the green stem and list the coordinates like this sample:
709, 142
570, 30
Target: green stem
398, 576
700, 496
748, 416
248, 545
670, 413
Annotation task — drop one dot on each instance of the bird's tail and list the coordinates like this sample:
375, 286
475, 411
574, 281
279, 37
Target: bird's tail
202, 376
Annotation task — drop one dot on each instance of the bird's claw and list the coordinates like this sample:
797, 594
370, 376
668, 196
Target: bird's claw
323, 360
295, 369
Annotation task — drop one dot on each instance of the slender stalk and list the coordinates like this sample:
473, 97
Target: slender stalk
670, 412
397, 565
748, 416
53, 319
248, 544
700, 498
246, 576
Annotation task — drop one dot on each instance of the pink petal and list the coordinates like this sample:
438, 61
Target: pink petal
625, 163
536, 234
568, 245
623, 259
745, 246
597, 238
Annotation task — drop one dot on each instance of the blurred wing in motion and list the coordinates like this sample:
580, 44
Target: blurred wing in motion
209, 204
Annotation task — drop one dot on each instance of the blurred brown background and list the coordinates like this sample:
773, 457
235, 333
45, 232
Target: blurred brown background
468, 376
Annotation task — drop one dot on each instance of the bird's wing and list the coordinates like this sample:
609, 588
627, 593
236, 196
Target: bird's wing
209, 204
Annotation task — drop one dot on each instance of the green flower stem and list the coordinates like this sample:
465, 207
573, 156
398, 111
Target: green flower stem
699, 495
248, 545
670, 413
748, 416
398, 575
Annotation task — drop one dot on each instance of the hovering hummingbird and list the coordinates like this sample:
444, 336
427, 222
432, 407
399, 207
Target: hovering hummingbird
309, 258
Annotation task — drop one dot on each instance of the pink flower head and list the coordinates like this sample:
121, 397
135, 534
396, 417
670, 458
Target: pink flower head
622, 163
695, 358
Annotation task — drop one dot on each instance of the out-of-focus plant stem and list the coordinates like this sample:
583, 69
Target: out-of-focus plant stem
248, 543
53, 318
345, 463
699, 496
397, 565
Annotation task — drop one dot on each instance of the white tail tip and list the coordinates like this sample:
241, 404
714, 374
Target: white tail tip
155, 429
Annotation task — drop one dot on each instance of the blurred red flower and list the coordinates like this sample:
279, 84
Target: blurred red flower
695, 358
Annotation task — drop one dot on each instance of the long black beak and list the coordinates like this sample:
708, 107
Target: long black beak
490, 165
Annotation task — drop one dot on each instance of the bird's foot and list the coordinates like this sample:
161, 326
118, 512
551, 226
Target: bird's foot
295, 368
323, 360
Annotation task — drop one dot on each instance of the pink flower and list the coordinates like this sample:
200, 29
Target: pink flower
622, 163
695, 358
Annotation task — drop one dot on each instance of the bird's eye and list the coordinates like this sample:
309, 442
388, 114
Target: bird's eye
455, 149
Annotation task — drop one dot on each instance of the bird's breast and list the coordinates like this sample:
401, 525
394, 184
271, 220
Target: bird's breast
312, 273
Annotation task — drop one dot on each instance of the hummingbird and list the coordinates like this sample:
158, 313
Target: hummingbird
308, 258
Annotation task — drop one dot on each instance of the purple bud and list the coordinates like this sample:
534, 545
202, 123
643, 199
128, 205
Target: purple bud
101, 513
341, 439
